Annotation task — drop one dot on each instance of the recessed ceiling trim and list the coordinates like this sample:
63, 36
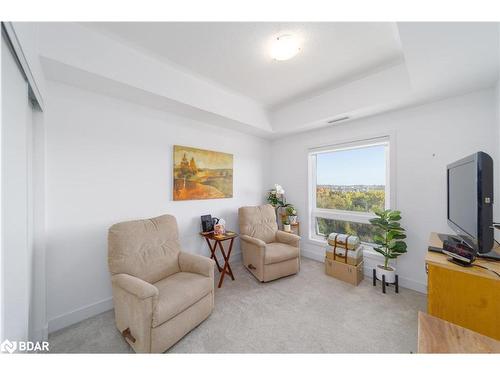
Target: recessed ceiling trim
343, 118
236, 55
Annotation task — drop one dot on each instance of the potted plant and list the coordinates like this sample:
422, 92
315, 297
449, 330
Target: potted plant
292, 214
286, 225
390, 241
275, 197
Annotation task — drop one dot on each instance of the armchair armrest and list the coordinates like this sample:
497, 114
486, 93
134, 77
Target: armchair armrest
252, 240
287, 238
135, 286
196, 264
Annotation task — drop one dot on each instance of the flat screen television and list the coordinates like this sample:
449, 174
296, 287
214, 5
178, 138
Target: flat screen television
470, 201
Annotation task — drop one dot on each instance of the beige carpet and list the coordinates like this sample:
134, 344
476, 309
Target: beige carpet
306, 313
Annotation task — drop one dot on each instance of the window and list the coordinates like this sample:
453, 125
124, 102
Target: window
347, 183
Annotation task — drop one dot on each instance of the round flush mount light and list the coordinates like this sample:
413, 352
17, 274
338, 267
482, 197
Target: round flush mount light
284, 47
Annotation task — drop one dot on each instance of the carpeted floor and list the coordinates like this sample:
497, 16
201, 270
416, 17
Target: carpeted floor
306, 313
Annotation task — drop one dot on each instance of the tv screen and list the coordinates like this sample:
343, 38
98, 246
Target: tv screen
462, 200
470, 200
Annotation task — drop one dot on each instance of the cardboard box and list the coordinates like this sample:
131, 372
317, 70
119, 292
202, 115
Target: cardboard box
343, 271
353, 257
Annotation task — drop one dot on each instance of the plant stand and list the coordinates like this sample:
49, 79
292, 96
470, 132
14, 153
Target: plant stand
384, 284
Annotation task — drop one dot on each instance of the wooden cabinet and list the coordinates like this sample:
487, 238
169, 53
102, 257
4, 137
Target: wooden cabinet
466, 296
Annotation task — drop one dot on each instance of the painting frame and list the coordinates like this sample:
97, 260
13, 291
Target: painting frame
201, 174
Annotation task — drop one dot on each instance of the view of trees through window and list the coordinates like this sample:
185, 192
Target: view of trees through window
350, 180
365, 232
363, 198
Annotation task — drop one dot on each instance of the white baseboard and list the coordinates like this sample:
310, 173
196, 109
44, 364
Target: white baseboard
403, 281
368, 267
75, 316
314, 255
40, 334
45, 332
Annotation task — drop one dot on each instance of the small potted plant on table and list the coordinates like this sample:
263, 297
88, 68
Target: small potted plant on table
286, 225
292, 214
390, 242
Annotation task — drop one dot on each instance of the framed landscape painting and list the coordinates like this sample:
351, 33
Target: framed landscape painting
202, 174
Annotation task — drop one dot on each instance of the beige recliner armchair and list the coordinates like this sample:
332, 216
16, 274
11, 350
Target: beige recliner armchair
268, 253
159, 292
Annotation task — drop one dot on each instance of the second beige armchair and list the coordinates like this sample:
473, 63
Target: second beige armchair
268, 253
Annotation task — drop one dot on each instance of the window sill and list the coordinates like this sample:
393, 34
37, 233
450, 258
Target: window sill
317, 242
368, 251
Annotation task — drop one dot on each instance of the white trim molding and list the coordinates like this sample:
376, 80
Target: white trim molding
17, 49
371, 259
387, 139
85, 312
76, 316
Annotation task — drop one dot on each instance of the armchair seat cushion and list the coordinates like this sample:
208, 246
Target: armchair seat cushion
278, 252
177, 293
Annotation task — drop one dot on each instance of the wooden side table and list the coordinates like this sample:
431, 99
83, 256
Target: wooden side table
217, 243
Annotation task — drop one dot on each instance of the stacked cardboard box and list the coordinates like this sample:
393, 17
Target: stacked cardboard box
344, 258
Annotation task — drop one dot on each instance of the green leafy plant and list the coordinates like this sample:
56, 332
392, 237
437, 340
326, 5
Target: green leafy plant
390, 241
291, 210
274, 199
276, 196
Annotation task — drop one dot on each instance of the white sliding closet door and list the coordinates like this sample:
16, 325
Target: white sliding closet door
16, 219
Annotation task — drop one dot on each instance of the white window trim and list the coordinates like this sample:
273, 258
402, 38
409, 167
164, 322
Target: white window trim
360, 217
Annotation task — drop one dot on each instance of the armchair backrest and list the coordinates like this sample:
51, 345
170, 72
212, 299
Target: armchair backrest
258, 222
147, 249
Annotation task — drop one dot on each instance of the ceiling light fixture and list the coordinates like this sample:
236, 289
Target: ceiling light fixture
284, 47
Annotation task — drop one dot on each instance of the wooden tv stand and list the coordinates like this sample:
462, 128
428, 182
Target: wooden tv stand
466, 296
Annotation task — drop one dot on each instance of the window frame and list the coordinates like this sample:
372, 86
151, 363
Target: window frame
344, 215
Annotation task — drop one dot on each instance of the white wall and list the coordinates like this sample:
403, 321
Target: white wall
496, 195
110, 160
427, 138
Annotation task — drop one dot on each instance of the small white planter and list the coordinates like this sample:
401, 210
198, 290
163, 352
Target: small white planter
293, 219
287, 227
390, 274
